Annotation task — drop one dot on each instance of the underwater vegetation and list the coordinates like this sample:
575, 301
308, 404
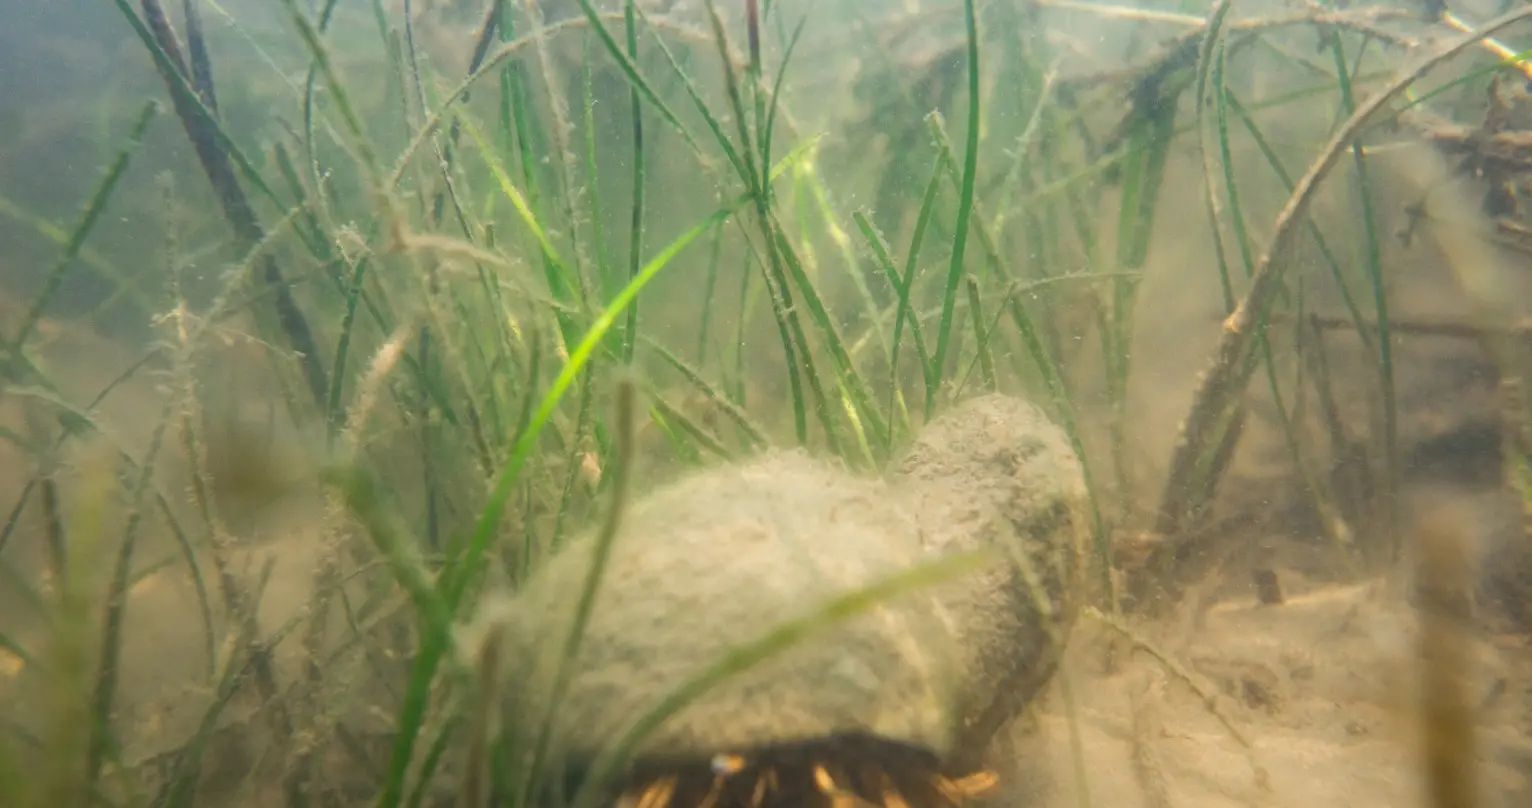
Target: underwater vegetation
764, 402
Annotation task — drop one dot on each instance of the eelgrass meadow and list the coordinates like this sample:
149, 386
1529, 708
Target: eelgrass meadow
325, 319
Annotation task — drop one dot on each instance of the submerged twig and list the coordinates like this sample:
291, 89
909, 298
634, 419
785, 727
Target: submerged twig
1145, 697
1208, 695
1224, 380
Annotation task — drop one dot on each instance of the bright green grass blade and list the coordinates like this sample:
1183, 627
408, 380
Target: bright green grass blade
469, 566
483, 533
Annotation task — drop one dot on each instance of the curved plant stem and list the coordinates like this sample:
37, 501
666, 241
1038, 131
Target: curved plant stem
1225, 378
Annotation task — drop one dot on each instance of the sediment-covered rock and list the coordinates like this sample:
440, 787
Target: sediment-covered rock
715, 561
994, 471
721, 557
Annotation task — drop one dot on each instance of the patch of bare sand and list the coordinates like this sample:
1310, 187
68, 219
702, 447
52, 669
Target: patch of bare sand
1321, 687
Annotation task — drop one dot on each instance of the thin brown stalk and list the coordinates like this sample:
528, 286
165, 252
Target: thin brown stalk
1145, 697
1209, 695
1445, 585
1224, 380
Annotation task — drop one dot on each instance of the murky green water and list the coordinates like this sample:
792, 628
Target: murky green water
338, 338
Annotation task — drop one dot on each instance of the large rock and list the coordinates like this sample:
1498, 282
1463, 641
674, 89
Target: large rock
713, 562
721, 557
994, 472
